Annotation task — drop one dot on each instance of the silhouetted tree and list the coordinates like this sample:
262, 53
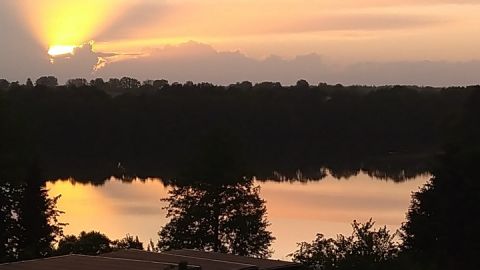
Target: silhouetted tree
4, 84
229, 218
29, 83
302, 84
129, 83
15, 85
366, 248
159, 84
151, 247
442, 224
47, 81
80, 82
5, 222
268, 85
114, 83
8, 221
188, 84
37, 215
128, 242
91, 243
98, 83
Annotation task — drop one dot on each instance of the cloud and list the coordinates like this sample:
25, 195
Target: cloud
79, 65
199, 62
202, 63
432, 73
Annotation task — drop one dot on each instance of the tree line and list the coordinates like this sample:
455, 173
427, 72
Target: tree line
123, 127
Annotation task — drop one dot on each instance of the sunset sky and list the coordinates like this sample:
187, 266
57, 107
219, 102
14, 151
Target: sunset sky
346, 41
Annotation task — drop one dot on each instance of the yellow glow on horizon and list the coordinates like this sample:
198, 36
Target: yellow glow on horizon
57, 22
57, 50
344, 31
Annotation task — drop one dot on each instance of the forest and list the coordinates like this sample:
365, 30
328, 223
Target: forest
92, 130
209, 141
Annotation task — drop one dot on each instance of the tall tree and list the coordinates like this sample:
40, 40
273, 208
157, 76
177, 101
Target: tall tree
222, 218
38, 225
8, 206
29, 83
442, 224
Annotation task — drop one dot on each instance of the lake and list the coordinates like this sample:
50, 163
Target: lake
297, 210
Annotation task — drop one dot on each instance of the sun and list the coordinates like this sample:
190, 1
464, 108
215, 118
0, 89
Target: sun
58, 24
57, 50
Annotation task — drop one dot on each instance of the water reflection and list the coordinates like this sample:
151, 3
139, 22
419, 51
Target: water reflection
326, 206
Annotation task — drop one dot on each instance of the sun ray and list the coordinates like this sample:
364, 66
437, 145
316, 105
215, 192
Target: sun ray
60, 25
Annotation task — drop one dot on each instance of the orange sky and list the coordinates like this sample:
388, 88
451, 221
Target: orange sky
372, 42
345, 30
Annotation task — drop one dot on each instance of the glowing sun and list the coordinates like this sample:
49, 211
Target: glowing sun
60, 23
57, 50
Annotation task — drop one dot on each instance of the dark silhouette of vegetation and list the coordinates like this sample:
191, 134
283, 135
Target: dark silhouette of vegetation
91, 243
366, 248
29, 221
8, 205
29, 83
77, 83
37, 219
441, 231
222, 218
95, 243
212, 207
47, 81
128, 242
201, 138
85, 130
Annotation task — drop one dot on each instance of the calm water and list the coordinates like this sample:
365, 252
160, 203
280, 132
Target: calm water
297, 211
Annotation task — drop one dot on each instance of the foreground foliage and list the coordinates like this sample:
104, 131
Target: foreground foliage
29, 225
366, 248
441, 231
95, 243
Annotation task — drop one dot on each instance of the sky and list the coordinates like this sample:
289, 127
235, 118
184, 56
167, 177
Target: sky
424, 42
